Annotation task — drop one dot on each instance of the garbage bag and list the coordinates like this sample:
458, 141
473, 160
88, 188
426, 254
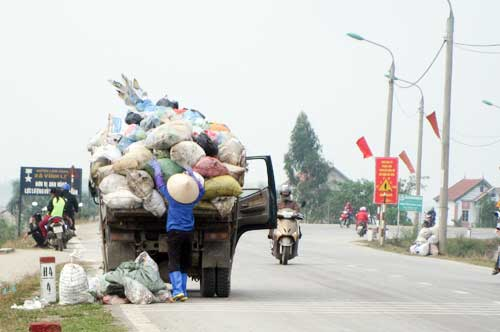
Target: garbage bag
167, 103
98, 286
133, 118
108, 152
136, 292
136, 159
102, 172
135, 133
151, 121
73, 285
99, 139
112, 183
95, 166
155, 204
207, 144
186, 154
424, 234
195, 118
224, 185
124, 143
236, 172
423, 249
169, 134
140, 183
168, 168
139, 145
218, 127
210, 167
434, 250
143, 273
122, 199
232, 152
143, 259
160, 154
224, 205
161, 296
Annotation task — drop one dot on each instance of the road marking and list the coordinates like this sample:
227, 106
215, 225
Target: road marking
137, 318
423, 283
396, 276
460, 292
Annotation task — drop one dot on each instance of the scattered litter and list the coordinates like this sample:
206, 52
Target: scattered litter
32, 304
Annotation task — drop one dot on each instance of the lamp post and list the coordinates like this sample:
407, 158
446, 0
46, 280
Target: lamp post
420, 138
388, 123
445, 139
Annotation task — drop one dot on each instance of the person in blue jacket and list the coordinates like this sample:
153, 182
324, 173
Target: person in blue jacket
182, 192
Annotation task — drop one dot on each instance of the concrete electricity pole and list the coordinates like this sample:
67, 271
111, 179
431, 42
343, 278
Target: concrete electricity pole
388, 122
445, 139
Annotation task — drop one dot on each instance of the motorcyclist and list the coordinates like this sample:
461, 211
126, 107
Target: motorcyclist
71, 206
362, 217
286, 202
344, 215
350, 210
496, 268
55, 208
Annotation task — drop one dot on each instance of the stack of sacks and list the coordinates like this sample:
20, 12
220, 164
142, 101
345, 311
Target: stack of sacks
178, 138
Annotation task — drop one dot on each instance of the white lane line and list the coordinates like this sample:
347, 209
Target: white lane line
423, 283
137, 318
461, 292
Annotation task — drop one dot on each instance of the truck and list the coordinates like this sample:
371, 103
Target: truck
126, 233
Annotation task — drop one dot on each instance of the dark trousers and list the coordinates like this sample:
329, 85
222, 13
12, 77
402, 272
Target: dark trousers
179, 250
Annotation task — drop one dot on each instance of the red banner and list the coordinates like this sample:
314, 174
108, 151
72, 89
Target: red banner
434, 124
363, 146
386, 181
404, 157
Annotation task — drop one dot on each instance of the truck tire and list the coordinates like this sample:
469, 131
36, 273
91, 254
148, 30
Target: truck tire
208, 282
223, 288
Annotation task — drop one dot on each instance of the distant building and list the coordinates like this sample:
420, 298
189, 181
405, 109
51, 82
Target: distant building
464, 197
335, 176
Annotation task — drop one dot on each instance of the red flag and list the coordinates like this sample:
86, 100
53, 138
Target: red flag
434, 124
406, 160
363, 146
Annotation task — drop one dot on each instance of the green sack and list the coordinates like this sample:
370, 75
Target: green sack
218, 186
144, 274
168, 167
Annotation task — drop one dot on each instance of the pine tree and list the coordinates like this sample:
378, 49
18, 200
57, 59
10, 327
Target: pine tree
306, 168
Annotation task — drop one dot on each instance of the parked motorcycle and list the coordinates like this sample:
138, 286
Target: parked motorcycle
59, 232
285, 241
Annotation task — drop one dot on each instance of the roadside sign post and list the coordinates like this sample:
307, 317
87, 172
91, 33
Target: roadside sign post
385, 187
410, 203
48, 279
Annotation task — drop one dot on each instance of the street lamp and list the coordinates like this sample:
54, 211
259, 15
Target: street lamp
388, 123
489, 103
420, 138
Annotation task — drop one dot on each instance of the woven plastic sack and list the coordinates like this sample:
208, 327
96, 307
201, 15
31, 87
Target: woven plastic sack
155, 204
236, 172
424, 235
104, 171
136, 292
232, 152
423, 249
133, 118
95, 166
219, 186
136, 159
143, 259
168, 168
112, 183
186, 154
108, 152
169, 134
161, 154
140, 183
224, 205
73, 285
210, 167
207, 144
122, 199
161, 296
99, 139
139, 145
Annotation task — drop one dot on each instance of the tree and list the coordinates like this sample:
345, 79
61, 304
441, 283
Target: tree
306, 168
487, 207
359, 193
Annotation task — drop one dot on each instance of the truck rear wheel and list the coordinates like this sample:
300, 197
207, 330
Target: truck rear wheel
223, 282
208, 282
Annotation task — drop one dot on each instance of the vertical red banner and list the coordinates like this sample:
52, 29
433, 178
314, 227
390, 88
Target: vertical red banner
386, 181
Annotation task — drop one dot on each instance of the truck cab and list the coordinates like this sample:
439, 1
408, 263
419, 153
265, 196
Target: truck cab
126, 233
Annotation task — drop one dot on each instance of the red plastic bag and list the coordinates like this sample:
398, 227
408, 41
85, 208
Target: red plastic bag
210, 167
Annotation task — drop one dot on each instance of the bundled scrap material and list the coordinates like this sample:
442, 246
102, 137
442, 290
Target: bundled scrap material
179, 138
426, 242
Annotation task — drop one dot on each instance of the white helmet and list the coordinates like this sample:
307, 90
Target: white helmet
285, 190
345, 211
362, 208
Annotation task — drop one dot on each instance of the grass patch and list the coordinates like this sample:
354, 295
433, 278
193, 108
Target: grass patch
473, 251
82, 317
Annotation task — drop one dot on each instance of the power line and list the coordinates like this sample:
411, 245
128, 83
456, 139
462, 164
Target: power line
476, 136
476, 145
477, 45
401, 109
428, 68
476, 51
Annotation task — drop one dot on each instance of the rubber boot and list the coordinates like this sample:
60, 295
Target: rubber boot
184, 286
176, 281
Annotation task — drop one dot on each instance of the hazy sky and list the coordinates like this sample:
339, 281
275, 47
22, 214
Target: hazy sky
253, 65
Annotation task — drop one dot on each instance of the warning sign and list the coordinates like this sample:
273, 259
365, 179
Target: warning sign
386, 181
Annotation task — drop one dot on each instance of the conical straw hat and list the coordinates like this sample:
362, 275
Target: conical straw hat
183, 188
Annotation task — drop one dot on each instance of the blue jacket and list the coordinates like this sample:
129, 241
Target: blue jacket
180, 216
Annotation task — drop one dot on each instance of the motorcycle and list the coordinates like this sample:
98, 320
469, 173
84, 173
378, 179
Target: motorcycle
361, 229
59, 232
345, 222
285, 239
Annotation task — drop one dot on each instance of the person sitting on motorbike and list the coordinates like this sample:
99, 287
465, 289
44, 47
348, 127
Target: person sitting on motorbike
344, 215
350, 210
71, 206
55, 208
496, 268
362, 217
285, 202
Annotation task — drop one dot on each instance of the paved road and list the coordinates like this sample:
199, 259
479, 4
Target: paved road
335, 285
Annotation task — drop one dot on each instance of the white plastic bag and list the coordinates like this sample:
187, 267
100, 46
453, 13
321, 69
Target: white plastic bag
423, 249
232, 152
145, 260
169, 134
136, 292
122, 199
113, 183
186, 154
155, 204
109, 152
73, 285
140, 183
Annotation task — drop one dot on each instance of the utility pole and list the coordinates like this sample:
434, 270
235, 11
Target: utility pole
419, 153
445, 139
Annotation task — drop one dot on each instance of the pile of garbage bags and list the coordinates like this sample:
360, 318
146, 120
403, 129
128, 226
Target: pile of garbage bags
426, 242
179, 138
136, 282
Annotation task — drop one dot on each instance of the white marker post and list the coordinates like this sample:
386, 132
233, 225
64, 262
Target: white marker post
48, 279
